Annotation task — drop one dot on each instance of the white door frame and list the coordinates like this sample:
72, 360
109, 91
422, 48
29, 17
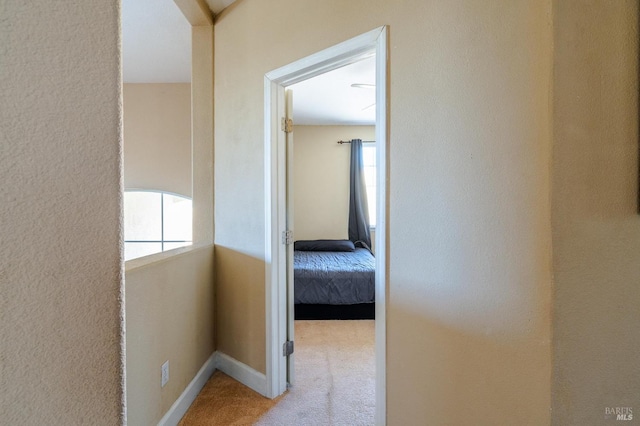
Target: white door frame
350, 51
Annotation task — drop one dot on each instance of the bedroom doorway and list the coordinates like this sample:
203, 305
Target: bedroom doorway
279, 249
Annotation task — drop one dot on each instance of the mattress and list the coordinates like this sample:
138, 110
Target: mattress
335, 278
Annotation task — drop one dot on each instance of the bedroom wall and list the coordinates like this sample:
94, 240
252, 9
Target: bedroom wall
596, 227
468, 325
60, 274
157, 136
170, 316
321, 180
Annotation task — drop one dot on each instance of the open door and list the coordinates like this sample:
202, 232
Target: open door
279, 240
279, 205
290, 236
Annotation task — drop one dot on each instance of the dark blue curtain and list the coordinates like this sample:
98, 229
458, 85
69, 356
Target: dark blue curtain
358, 206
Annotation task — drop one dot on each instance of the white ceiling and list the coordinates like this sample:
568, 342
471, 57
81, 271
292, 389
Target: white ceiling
156, 48
330, 99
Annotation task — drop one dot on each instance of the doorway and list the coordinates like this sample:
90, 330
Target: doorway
279, 307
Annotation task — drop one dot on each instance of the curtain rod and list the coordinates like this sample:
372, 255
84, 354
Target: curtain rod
341, 142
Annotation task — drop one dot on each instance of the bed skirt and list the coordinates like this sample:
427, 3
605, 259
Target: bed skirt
335, 312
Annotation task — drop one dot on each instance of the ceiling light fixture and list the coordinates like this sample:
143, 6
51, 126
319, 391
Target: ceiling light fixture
363, 86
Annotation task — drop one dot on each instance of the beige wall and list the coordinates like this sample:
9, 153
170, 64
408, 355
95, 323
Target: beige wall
60, 250
468, 337
170, 296
240, 307
596, 228
170, 316
157, 137
321, 180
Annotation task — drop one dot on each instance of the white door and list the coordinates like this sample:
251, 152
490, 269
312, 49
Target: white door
290, 228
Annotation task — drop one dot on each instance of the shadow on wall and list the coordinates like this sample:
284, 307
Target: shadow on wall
240, 307
480, 379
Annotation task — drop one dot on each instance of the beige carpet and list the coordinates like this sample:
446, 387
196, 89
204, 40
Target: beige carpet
334, 383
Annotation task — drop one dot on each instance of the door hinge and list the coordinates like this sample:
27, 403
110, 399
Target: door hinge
287, 237
287, 125
287, 348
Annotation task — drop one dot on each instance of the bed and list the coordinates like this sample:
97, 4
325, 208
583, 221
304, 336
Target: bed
333, 279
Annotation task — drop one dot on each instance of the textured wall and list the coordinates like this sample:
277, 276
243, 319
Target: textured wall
468, 325
596, 228
157, 137
321, 179
170, 316
60, 206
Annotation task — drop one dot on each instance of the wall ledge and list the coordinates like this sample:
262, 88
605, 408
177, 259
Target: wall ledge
156, 258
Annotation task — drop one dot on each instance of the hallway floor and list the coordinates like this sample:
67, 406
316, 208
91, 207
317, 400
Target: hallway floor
334, 383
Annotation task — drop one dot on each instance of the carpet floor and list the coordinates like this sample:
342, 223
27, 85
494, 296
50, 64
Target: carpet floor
334, 383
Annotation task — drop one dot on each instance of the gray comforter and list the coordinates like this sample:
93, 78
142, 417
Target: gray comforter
335, 278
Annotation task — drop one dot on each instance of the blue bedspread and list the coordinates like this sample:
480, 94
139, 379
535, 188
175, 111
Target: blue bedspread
335, 278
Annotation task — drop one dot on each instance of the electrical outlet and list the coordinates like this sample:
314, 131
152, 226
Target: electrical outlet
165, 373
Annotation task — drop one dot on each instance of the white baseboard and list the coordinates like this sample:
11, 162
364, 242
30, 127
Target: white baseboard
241, 372
182, 404
217, 361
